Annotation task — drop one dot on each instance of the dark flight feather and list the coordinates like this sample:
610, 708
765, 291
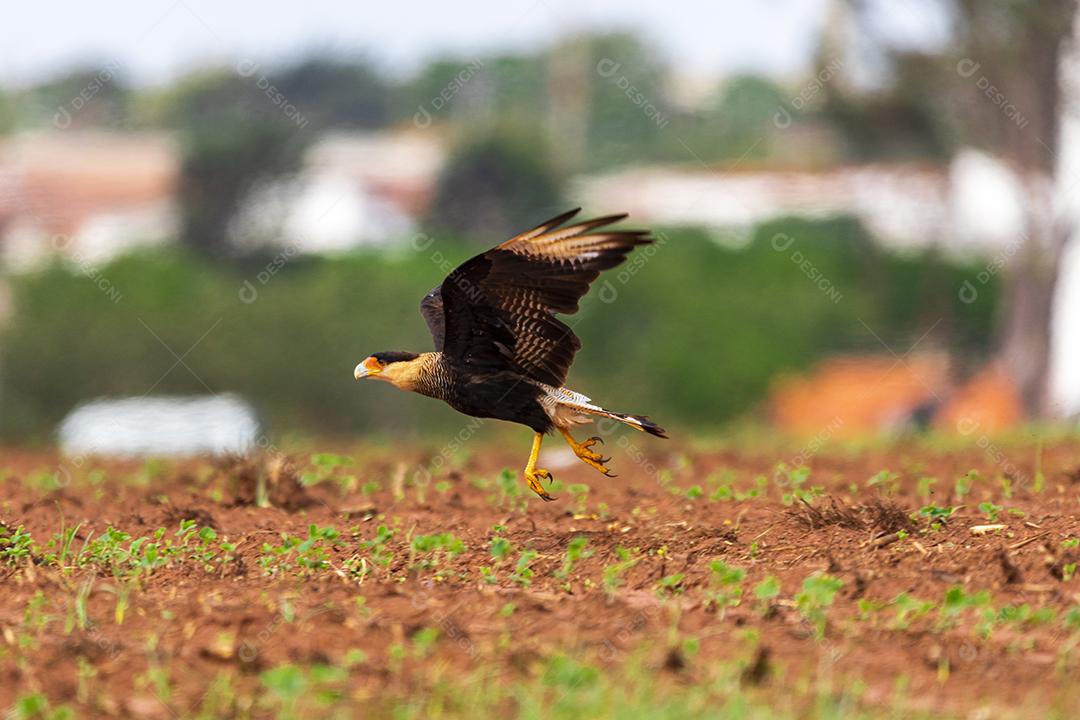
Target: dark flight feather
496, 311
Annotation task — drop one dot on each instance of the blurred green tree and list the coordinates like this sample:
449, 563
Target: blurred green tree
491, 182
337, 93
904, 119
7, 112
746, 106
627, 111
235, 133
89, 97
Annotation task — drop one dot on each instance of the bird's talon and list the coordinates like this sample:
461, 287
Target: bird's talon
534, 476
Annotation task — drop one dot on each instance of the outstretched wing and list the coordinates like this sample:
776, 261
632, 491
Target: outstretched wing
498, 308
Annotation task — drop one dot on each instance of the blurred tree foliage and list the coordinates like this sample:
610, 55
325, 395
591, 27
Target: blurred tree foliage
7, 112
464, 92
235, 134
89, 97
626, 107
491, 182
336, 93
689, 331
736, 124
903, 119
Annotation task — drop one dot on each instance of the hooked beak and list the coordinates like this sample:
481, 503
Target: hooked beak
370, 366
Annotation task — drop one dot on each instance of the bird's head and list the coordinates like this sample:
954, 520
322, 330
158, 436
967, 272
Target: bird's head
400, 369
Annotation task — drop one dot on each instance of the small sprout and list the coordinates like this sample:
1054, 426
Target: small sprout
726, 586
575, 552
990, 510
816, 597
907, 609
765, 591
888, 482
424, 641
671, 584
965, 482
354, 657
580, 493
523, 573
869, 607
937, 516
500, 548
957, 601
925, 488
612, 576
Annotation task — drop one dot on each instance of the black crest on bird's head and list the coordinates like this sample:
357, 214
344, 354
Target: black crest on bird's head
393, 356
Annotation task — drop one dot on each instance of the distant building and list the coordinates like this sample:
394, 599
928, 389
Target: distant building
970, 206
91, 196
355, 189
88, 195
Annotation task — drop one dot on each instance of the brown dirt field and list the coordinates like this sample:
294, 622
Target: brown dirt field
185, 625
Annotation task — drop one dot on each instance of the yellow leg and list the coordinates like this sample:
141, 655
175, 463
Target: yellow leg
533, 474
586, 455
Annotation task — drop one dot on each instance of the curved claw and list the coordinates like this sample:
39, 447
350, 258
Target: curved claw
604, 460
534, 476
611, 474
597, 438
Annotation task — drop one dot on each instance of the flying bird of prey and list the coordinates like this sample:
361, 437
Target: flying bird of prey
500, 352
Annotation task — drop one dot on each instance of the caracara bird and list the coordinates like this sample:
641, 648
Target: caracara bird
500, 351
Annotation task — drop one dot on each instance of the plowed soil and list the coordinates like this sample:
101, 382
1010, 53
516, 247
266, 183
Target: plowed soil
398, 620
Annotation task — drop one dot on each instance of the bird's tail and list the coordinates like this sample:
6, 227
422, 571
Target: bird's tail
638, 422
579, 406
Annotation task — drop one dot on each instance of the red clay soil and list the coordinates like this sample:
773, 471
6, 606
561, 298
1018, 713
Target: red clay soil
199, 624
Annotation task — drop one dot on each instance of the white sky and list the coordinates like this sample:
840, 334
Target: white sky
152, 42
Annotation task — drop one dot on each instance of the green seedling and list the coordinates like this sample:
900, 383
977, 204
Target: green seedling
579, 492
925, 488
523, 572
907, 609
575, 552
328, 466
501, 548
816, 597
670, 585
725, 586
378, 546
936, 516
15, 545
433, 550
964, 483
887, 482
956, 603
612, 576
765, 592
